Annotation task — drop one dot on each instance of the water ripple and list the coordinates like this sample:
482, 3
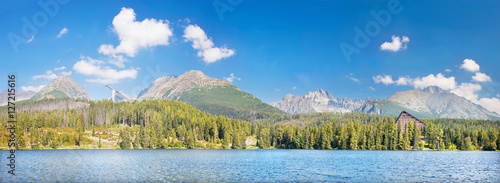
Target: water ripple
252, 166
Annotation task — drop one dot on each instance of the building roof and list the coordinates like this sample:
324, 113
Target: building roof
409, 115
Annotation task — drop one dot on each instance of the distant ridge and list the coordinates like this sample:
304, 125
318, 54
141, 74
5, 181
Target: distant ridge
432, 102
442, 104
318, 101
20, 96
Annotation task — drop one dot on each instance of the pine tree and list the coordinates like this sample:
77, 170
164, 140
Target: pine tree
406, 141
226, 140
125, 136
236, 140
298, 140
191, 139
401, 140
417, 141
394, 136
353, 137
214, 132
137, 141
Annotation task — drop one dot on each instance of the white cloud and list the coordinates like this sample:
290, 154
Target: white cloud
231, 78
386, 79
404, 80
350, 76
205, 46
492, 104
117, 60
439, 80
104, 75
32, 88
420, 83
470, 65
293, 88
135, 35
447, 70
59, 68
200, 40
48, 75
481, 77
277, 90
63, 31
214, 54
32, 38
372, 88
396, 44
66, 73
468, 91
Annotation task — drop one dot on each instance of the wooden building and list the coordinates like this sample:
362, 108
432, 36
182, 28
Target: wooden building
406, 118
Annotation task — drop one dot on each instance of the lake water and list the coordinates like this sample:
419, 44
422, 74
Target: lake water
251, 166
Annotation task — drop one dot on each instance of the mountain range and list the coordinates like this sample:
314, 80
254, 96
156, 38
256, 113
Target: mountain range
220, 97
212, 95
432, 102
20, 95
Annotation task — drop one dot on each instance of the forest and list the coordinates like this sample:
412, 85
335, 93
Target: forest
163, 124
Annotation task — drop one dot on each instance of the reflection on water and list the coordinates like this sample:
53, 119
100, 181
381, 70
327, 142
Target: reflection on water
251, 166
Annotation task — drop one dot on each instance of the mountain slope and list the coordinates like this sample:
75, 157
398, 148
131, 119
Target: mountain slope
62, 87
212, 95
386, 107
20, 95
318, 101
441, 103
432, 102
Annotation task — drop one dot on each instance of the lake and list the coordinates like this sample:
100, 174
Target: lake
251, 166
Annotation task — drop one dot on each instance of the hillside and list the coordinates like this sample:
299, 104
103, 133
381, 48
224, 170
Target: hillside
440, 103
218, 97
432, 102
62, 87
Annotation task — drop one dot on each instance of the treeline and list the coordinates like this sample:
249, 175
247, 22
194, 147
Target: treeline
320, 118
159, 124
380, 135
145, 124
233, 112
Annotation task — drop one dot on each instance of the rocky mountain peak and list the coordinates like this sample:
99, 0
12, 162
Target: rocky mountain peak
163, 79
436, 102
317, 101
288, 97
63, 78
194, 74
430, 102
433, 89
319, 90
319, 96
195, 78
171, 87
63, 87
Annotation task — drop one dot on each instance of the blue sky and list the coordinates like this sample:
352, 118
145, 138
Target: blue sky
271, 47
